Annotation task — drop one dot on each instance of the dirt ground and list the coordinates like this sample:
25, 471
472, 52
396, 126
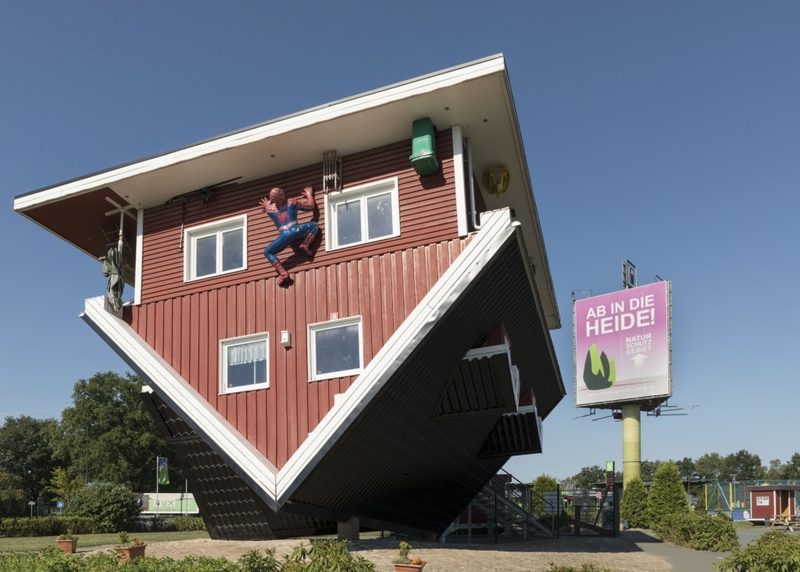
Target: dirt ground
515, 556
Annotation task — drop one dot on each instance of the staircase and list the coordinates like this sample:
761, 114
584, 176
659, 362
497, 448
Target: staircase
504, 502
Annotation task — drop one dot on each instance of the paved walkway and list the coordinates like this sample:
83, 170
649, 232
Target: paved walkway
681, 559
685, 559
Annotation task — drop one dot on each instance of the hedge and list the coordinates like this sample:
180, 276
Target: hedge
323, 555
699, 531
45, 526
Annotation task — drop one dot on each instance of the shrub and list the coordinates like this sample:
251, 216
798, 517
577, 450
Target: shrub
633, 507
666, 495
111, 507
542, 484
326, 555
45, 526
188, 523
699, 531
770, 552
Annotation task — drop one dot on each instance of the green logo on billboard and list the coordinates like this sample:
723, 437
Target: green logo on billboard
599, 372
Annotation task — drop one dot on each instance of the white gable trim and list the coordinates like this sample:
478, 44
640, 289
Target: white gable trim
230, 444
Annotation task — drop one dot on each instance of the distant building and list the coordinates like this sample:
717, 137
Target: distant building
395, 370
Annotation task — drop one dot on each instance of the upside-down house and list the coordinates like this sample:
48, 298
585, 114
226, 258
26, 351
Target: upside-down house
397, 368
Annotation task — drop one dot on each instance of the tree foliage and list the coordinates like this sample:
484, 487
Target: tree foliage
12, 497
588, 476
666, 495
25, 453
541, 485
742, 466
709, 467
112, 508
108, 436
63, 486
633, 507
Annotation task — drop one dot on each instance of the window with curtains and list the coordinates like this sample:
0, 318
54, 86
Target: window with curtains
244, 363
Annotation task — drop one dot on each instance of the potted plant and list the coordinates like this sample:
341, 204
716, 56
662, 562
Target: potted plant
67, 542
405, 564
128, 550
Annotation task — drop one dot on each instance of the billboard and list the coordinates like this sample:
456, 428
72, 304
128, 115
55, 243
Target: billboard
623, 346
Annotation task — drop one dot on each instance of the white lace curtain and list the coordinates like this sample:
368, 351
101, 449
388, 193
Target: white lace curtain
247, 353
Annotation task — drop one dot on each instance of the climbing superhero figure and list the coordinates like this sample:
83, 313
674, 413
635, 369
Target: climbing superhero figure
284, 214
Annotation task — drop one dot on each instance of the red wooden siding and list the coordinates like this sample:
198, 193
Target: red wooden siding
427, 215
186, 331
381, 281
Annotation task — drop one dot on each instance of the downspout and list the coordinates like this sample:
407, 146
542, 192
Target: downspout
475, 225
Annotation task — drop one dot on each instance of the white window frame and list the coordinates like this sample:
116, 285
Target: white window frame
312, 348
362, 192
217, 227
223, 362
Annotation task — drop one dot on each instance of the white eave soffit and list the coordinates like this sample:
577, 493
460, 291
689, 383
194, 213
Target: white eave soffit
343, 112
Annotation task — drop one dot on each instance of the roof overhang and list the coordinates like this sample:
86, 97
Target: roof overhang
477, 96
398, 392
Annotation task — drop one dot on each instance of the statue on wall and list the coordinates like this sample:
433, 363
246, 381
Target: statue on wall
283, 213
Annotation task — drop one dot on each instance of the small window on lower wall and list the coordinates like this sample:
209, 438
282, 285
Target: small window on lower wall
334, 348
244, 363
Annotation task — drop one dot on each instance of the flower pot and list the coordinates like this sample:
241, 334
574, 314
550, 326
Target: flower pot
409, 567
131, 552
68, 546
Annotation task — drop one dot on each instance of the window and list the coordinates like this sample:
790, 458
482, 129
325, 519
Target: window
216, 248
362, 214
244, 363
334, 348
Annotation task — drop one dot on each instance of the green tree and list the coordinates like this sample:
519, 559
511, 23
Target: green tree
648, 469
539, 486
63, 486
12, 497
792, 468
742, 466
108, 436
776, 470
709, 467
26, 454
112, 508
686, 467
588, 476
633, 507
666, 495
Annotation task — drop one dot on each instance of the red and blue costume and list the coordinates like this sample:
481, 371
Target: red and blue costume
284, 214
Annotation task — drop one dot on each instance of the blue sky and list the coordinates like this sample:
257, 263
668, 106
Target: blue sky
665, 133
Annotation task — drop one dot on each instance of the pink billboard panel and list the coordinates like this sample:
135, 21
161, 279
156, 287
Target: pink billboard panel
623, 346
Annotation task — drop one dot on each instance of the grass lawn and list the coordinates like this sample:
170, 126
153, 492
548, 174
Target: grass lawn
88, 540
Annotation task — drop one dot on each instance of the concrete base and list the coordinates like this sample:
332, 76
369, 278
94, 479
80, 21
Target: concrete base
348, 530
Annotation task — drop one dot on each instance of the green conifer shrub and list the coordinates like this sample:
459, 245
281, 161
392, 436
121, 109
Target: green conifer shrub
666, 496
633, 507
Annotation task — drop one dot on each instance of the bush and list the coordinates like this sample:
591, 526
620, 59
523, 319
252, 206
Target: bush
633, 507
111, 507
542, 484
188, 523
666, 496
326, 555
770, 552
699, 531
45, 526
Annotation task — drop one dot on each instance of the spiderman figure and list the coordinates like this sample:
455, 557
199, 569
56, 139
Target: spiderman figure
284, 214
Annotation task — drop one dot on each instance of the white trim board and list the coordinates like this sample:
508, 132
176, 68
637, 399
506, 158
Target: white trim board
277, 486
295, 122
